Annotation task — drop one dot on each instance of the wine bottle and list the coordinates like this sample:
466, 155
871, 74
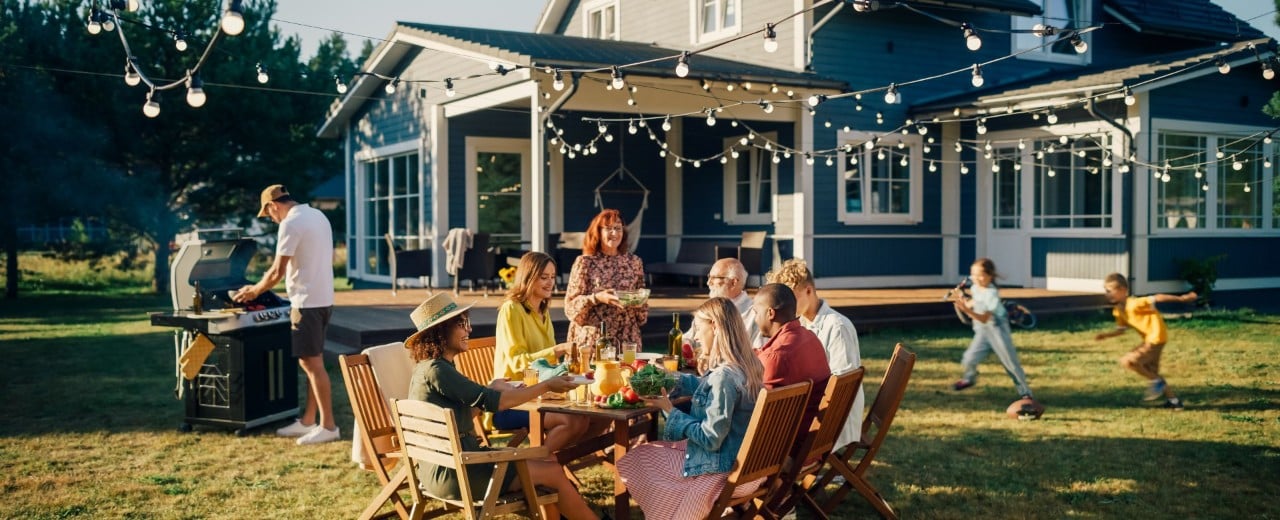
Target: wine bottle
604, 345
675, 340
197, 300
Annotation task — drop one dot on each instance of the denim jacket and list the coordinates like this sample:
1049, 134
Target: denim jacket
715, 425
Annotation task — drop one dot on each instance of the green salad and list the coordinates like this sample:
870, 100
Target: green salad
650, 381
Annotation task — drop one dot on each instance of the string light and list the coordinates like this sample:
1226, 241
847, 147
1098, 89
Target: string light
233, 18
682, 66
977, 80
195, 91
1129, 100
816, 99
971, 38
263, 77
448, 88
1079, 44
339, 85
180, 41
1052, 118
666, 124
1223, 66
1042, 30
108, 22
94, 26
891, 96
1267, 71
617, 82
770, 39
557, 81
151, 108
131, 76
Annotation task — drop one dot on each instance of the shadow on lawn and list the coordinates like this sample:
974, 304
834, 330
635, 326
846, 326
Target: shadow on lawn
984, 473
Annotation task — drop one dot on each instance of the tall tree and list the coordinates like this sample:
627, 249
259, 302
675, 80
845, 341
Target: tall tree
191, 166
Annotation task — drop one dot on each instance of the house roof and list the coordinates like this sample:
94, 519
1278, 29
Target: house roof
1142, 75
1196, 19
559, 51
1016, 7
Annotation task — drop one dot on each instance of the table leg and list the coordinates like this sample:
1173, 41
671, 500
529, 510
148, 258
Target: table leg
535, 428
621, 497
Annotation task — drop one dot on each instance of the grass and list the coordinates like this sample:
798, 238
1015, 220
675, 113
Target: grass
89, 427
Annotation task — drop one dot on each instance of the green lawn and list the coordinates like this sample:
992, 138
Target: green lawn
89, 427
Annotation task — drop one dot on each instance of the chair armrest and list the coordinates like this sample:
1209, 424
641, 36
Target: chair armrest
505, 454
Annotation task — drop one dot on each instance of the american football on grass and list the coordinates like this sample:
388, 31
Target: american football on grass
1026, 409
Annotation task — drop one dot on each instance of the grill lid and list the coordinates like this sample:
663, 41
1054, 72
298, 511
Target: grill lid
219, 266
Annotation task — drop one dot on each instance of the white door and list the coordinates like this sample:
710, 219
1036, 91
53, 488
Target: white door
1008, 243
497, 201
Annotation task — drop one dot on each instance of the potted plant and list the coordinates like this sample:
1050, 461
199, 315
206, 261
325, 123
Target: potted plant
508, 276
1201, 274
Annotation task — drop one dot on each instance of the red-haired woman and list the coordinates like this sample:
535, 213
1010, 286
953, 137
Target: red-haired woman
604, 268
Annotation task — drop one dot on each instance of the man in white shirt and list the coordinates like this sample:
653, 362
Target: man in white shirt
839, 338
304, 260
728, 279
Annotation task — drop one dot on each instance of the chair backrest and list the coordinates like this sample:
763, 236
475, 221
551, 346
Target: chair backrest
477, 262
885, 406
429, 434
370, 409
834, 411
752, 240
769, 439
393, 368
477, 362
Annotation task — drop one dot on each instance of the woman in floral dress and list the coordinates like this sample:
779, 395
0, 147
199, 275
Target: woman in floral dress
604, 268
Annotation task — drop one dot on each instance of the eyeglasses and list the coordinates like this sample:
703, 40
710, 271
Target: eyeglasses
719, 279
464, 322
615, 229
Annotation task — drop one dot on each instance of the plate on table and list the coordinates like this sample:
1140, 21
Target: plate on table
581, 380
651, 357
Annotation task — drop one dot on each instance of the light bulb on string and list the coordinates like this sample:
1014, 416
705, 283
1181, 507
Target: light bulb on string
151, 108
1129, 100
1267, 71
770, 39
971, 38
1237, 165
666, 124
786, 154
711, 118
1266, 163
617, 82
904, 161
631, 127
729, 87
180, 41
1078, 43
682, 65
977, 80
1052, 118
1223, 66
880, 154
964, 169
853, 160
1022, 145
816, 99
108, 22
830, 161
131, 76
697, 164
339, 85
232, 21
724, 159
1220, 154
195, 92
734, 153
808, 159
1042, 30
94, 25
958, 148
891, 95
262, 74
767, 107
776, 159
933, 167
982, 126
448, 88
557, 80
1199, 173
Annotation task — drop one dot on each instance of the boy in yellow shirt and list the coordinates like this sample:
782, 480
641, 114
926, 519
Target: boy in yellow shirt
1140, 314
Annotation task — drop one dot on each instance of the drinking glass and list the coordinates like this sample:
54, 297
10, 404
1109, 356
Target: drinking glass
629, 352
530, 376
671, 363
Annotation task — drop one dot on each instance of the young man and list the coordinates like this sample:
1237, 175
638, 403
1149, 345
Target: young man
1140, 314
792, 353
304, 260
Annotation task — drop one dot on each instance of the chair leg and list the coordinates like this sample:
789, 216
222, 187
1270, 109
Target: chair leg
389, 492
875, 498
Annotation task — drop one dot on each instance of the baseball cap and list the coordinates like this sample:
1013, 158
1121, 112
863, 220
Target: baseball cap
270, 193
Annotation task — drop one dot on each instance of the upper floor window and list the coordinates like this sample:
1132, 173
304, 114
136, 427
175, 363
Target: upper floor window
749, 185
718, 19
881, 184
602, 20
1063, 15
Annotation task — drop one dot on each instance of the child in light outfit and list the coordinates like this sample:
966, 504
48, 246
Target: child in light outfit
990, 329
1140, 314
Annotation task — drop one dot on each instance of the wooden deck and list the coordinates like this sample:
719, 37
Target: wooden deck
367, 317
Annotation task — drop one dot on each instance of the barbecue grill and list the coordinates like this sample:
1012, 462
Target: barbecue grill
249, 377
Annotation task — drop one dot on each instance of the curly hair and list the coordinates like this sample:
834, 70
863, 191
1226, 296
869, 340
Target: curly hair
607, 217
430, 344
793, 273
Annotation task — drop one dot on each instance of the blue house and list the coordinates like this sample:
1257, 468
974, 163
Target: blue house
888, 143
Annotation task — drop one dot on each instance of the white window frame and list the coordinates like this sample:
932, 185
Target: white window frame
1039, 176
477, 145
695, 20
1215, 135
752, 154
362, 239
855, 141
1023, 40
594, 8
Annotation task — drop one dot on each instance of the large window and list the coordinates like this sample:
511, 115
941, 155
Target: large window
881, 184
1072, 187
498, 192
749, 185
1064, 15
717, 19
1200, 190
1006, 193
602, 20
391, 203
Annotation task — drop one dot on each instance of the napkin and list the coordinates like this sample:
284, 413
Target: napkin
547, 370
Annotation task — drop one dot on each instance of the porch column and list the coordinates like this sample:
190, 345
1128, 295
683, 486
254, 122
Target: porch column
539, 196
951, 204
674, 190
438, 136
802, 191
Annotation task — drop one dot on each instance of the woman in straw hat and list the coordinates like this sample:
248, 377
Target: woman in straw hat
524, 336
443, 329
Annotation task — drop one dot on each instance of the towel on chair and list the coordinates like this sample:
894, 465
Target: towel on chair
456, 244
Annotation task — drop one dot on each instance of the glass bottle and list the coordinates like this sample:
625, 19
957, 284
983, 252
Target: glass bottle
675, 340
197, 300
604, 345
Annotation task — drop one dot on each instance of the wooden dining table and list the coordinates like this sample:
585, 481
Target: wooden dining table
628, 423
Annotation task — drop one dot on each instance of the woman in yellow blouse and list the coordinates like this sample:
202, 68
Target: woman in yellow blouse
524, 334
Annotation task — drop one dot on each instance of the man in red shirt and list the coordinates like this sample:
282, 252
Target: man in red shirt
791, 353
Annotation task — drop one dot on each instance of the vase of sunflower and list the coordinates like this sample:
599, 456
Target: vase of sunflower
508, 276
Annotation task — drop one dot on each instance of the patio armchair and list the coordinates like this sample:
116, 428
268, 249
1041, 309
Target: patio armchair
769, 439
413, 263
477, 364
377, 436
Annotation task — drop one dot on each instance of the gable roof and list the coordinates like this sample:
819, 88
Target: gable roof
1054, 84
1013, 7
1195, 19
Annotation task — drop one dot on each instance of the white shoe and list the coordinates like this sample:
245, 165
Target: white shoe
319, 435
295, 429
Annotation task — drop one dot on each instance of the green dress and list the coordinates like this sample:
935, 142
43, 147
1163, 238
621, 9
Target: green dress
437, 381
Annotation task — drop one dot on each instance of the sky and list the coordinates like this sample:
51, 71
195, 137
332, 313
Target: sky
374, 18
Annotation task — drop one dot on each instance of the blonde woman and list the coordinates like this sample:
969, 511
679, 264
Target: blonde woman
682, 476
524, 334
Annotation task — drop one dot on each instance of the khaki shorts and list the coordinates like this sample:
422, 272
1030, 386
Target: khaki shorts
1146, 355
308, 328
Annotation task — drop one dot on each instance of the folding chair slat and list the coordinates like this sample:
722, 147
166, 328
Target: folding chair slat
772, 429
422, 453
379, 440
429, 442
433, 428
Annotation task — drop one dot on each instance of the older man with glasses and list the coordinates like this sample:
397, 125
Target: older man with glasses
728, 279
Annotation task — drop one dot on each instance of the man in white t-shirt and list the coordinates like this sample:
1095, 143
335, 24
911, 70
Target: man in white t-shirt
839, 338
304, 260
728, 279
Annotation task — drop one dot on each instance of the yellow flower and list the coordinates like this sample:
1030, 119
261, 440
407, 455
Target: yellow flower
508, 275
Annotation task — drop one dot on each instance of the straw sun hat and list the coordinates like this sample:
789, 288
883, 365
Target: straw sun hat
438, 309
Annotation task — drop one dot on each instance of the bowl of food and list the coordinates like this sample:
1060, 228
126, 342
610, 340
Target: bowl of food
649, 381
633, 297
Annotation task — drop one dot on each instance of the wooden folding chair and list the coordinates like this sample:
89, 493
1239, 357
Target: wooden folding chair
769, 439
379, 439
814, 445
430, 434
477, 364
883, 409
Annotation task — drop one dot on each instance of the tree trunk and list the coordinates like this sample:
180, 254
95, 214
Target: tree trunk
9, 235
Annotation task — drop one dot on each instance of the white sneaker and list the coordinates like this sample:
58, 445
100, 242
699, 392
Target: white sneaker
295, 429
319, 435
